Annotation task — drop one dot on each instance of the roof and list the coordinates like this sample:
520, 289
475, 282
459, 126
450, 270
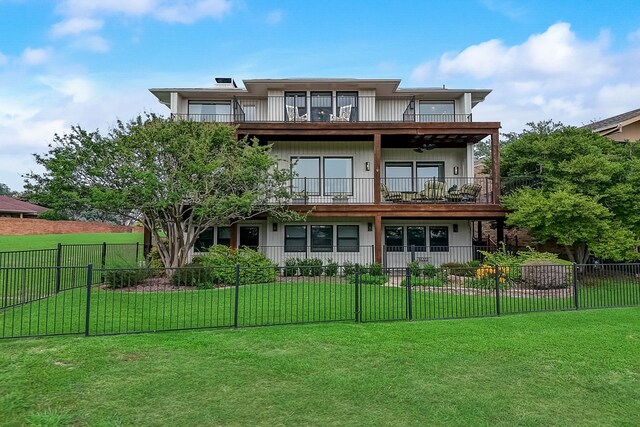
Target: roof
9, 204
615, 122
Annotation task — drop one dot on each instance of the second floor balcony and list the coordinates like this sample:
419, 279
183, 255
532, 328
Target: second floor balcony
324, 108
443, 190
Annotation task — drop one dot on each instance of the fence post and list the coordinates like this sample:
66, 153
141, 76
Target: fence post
373, 254
357, 294
575, 286
103, 260
58, 265
137, 251
413, 253
235, 305
88, 309
497, 290
409, 298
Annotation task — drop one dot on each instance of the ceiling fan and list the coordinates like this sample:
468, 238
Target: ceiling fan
424, 147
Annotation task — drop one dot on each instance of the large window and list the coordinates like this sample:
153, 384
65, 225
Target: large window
204, 241
321, 106
338, 175
436, 111
307, 175
297, 100
426, 171
394, 239
224, 236
417, 236
321, 238
344, 99
295, 238
399, 176
250, 237
210, 111
348, 238
439, 239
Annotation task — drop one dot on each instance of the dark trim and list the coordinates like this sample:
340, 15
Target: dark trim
320, 170
324, 175
357, 245
311, 245
356, 107
306, 239
439, 248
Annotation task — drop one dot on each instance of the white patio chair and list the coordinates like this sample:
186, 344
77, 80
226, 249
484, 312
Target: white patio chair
344, 116
293, 116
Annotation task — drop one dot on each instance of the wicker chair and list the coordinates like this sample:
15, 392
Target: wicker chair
470, 192
433, 191
344, 116
293, 116
390, 196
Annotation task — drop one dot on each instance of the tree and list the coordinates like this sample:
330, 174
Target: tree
5, 190
587, 191
180, 177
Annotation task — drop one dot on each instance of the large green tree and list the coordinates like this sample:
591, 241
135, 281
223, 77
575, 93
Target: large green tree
178, 177
5, 190
583, 191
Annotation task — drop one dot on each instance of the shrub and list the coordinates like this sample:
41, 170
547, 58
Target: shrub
348, 269
369, 279
542, 274
414, 268
426, 281
53, 215
291, 267
123, 275
254, 266
331, 268
429, 270
375, 269
194, 275
153, 259
460, 269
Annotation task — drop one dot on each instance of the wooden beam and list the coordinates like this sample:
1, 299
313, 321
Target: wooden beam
234, 236
377, 155
377, 243
495, 166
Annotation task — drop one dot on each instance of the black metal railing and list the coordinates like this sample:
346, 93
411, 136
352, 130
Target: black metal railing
325, 108
127, 300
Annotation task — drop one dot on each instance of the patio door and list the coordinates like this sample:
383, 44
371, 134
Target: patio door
249, 236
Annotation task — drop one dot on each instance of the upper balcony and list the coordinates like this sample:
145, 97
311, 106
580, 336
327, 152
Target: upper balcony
318, 107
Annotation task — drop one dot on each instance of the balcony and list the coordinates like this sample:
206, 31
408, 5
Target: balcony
322, 109
358, 191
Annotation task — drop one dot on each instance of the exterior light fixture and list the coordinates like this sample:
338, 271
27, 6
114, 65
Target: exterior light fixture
455, 228
456, 170
367, 166
275, 226
369, 226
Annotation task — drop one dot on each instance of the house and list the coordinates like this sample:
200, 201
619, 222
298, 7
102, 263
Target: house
388, 170
623, 127
14, 208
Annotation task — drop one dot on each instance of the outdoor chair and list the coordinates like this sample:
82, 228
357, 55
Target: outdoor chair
469, 192
293, 116
433, 191
344, 116
390, 196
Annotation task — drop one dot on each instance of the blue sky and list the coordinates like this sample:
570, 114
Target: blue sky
90, 62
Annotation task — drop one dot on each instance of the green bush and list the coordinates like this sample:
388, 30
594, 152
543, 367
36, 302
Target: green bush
375, 269
310, 267
415, 269
430, 270
53, 215
427, 281
254, 266
119, 275
506, 259
369, 279
194, 275
331, 269
348, 268
153, 259
291, 267
461, 269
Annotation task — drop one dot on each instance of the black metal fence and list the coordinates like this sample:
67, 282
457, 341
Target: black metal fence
135, 300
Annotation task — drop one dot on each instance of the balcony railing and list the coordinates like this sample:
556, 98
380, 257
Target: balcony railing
318, 109
334, 191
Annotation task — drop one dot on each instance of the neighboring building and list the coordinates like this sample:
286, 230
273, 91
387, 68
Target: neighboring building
623, 127
13, 208
386, 168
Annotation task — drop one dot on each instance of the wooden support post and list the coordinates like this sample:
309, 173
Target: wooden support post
377, 154
495, 166
234, 236
500, 231
377, 226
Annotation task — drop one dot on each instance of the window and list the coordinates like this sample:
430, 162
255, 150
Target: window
295, 238
204, 241
338, 176
296, 99
417, 236
394, 239
348, 98
321, 238
436, 111
428, 172
210, 111
307, 175
399, 176
250, 237
224, 236
348, 238
321, 106
439, 239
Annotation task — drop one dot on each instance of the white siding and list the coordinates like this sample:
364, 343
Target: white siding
450, 156
367, 105
275, 106
391, 109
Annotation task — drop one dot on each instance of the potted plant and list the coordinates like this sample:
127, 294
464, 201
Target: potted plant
299, 197
340, 198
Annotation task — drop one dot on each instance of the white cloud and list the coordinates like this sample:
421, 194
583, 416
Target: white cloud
506, 8
75, 26
275, 17
32, 56
634, 36
79, 89
552, 75
3, 59
92, 44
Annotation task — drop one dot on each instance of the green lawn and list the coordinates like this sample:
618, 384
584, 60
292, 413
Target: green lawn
50, 241
569, 368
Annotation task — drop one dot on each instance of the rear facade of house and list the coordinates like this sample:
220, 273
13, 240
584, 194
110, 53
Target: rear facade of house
388, 171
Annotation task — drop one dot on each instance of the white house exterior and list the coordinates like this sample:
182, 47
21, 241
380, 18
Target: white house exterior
388, 171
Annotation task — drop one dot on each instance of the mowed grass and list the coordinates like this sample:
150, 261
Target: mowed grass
566, 368
50, 241
125, 310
